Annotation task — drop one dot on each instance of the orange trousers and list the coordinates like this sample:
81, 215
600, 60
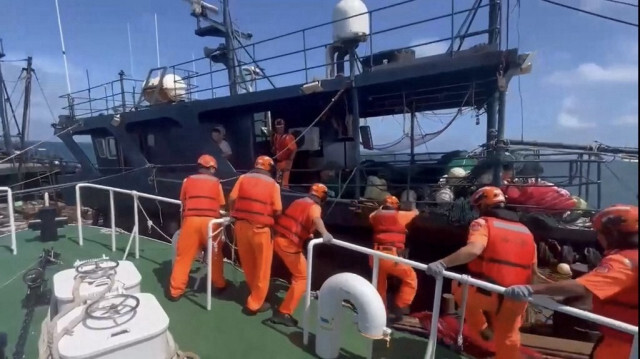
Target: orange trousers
255, 250
285, 168
505, 323
192, 240
611, 348
295, 261
409, 285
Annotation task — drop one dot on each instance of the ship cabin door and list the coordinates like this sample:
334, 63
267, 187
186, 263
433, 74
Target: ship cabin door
261, 133
109, 159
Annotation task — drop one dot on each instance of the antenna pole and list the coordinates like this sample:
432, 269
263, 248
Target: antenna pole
64, 52
155, 16
131, 48
231, 55
24, 133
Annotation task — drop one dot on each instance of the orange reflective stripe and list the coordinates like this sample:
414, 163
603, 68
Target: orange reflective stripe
201, 196
254, 199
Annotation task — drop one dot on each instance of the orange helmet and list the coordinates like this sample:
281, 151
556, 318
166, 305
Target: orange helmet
391, 201
279, 122
207, 161
487, 197
264, 163
619, 218
319, 190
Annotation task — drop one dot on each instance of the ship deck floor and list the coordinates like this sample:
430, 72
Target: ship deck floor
223, 332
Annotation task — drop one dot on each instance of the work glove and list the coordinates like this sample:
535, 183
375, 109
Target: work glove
327, 238
436, 268
519, 292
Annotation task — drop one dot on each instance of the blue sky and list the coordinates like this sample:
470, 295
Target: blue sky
584, 84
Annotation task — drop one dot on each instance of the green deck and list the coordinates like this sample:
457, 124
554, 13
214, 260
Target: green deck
224, 332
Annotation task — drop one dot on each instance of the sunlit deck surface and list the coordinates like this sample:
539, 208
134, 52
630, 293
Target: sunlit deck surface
224, 332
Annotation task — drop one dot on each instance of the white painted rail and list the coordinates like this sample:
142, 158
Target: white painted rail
210, 244
136, 228
465, 281
12, 219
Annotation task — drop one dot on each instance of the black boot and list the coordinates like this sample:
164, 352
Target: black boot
265, 307
283, 319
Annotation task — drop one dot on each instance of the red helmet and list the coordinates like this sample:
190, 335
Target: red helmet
617, 218
207, 161
319, 190
391, 201
264, 163
279, 122
488, 196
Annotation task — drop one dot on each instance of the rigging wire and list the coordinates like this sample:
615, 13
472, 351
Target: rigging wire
44, 96
591, 13
622, 3
37, 144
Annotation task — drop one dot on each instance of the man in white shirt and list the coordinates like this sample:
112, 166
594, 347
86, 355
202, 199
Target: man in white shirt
217, 135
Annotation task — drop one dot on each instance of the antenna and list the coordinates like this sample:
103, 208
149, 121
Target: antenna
130, 49
64, 52
155, 16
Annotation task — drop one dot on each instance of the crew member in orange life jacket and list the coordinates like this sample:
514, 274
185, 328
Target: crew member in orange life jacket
284, 149
389, 236
501, 251
293, 228
254, 202
202, 197
613, 285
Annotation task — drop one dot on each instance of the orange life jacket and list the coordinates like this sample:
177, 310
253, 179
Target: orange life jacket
201, 196
508, 258
387, 229
282, 147
254, 199
295, 223
624, 305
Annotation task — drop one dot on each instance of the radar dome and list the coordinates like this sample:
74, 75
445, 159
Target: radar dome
350, 28
172, 89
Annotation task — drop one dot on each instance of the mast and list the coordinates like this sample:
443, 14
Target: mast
24, 134
6, 129
496, 104
231, 55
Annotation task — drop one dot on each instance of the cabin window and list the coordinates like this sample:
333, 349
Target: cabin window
151, 140
101, 147
112, 148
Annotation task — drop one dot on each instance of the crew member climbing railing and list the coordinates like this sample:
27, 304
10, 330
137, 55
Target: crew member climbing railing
465, 281
135, 232
12, 222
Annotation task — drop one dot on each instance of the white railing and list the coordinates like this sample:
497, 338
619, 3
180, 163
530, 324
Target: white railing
12, 220
465, 281
210, 244
135, 233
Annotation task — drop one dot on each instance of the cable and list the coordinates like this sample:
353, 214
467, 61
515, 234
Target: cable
591, 13
622, 3
37, 144
44, 97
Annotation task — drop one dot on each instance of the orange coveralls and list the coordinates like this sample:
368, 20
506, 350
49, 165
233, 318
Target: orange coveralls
201, 196
394, 242
285, 150
256, 198
506, 317
614, 281
290, 249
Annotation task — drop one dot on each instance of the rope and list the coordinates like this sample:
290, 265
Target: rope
150, 223
591, 13
18, 274
37, 144
33, 179
44, 96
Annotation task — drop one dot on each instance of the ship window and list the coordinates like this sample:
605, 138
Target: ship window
101, 148
151, 140
112, 148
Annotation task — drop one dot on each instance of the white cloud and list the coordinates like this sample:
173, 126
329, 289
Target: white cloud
430, 49
594, 73
627, 120
568, 117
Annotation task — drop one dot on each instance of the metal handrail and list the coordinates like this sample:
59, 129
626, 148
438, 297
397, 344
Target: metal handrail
210, 244
136, 195
12, 223
465, 280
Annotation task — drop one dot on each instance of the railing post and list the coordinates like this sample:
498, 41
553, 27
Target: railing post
376, 270
634, 347
113, 221
433, 331
463, 307
307, 294
12, 223
208, 260
304, 46
79, 214
135, 221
